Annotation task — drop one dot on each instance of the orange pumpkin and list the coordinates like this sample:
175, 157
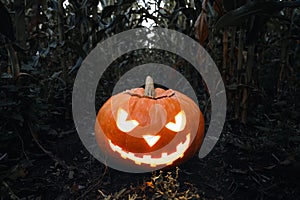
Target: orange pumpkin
150, 127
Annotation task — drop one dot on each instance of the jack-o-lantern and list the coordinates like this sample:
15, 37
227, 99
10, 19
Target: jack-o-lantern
150, 127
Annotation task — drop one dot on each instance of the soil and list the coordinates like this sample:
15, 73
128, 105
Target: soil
245, 164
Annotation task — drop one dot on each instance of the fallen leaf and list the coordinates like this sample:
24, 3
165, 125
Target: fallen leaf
71, 174
18, 172
150, 184
201, 27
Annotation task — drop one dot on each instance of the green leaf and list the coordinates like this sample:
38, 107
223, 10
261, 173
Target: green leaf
108, 11
238, 16
122, 2
232, 4
27, 67
264, 129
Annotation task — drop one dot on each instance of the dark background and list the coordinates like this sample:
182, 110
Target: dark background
256, 46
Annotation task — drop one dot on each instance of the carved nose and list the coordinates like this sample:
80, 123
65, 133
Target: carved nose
151, 139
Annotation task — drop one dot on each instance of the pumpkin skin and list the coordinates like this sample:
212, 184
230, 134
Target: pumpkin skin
171, 119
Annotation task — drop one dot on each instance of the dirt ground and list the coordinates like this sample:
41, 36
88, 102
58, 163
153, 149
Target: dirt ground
247, 163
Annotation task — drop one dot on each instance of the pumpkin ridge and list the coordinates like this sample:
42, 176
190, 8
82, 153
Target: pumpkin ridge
129, 92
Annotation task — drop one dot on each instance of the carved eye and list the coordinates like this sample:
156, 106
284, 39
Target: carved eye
180, 121
123, 124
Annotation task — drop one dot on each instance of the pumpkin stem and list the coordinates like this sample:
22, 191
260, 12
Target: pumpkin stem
149, 87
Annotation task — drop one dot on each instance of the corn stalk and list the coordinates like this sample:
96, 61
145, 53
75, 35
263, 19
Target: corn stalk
225, 50
14, 61
60, 28
232, 60
247, 80
238, 74
284, 56
95, 20
20, 22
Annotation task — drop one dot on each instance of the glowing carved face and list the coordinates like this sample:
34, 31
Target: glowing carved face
152, 132
164, 159
128, 125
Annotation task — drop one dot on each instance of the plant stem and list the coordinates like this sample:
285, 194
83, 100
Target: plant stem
232, 53
238, 73
248, 80
225, 48
149, 87
20, 22
60, 20
15, 65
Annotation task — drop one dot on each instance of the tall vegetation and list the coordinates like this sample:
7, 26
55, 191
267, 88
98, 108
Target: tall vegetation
254, 43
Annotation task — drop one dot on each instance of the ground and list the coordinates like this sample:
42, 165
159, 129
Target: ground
247, 163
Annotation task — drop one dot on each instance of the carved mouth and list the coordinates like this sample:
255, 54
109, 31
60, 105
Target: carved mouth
165, 159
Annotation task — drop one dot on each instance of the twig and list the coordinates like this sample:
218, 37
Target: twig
49, 153
10, 190
92, 187
232, 193
3, 156
103, 195
22, 144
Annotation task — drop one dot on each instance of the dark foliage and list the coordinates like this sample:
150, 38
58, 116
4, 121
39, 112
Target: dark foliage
6, 26
255, 44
